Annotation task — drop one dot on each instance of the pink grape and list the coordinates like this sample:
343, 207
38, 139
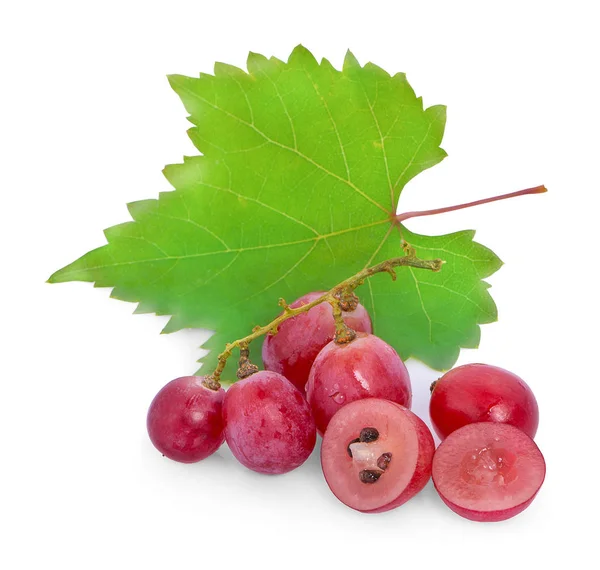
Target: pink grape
184, 420
293, 349
488, 471
482, 393
269, 427
366, 367
376, 455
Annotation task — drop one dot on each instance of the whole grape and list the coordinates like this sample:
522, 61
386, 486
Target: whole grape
366, 367
482, 393
269, 426
294, 348
184, 420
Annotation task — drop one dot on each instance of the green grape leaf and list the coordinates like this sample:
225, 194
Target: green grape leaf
296, 189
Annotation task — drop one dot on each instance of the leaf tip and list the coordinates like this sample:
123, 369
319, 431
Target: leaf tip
350, 62
173, 325
174, 80
302, 56
255, 62
378, 70
439, 115
300, 50
57, 277
227, 70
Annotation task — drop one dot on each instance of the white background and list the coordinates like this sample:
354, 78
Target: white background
87, 123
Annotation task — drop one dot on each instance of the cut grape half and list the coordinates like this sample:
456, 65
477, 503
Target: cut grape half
376, 455
488, 471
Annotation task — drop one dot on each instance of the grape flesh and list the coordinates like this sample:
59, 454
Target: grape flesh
488, 471
184, 420
269, 426
482, 393
294, 348
376, 455
366, 367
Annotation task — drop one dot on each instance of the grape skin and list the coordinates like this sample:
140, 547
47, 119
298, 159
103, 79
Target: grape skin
482, 393
184, 420
269, 426
294, 348
366, 367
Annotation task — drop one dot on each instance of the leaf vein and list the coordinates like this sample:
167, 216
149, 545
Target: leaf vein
263, 204
286, 147
459, 294
410, 162
418, 289
316, 239
333, 123
378, 249
382, 140
194, 223
296, 264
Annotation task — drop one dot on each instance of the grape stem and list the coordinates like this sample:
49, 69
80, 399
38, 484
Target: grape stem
407, 215
339, 297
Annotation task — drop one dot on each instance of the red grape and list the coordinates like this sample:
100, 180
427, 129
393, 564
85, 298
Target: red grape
482, 393
365, 367
376, 455
269, 427
488, 471
184, 420
293, 349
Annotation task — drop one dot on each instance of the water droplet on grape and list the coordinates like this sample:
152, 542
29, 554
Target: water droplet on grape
338, 398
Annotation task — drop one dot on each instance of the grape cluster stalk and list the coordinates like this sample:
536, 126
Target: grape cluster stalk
339, 297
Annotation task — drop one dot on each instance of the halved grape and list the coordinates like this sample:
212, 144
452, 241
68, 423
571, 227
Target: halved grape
184, 420
366, 367
482, 393
488, 471
269, 426
294, 348
376, 455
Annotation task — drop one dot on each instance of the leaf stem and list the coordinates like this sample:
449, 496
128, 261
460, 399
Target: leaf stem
417, 214
336, 296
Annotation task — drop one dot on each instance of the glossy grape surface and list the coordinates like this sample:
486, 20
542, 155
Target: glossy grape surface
184, 420
366, 367
269, 426
482, 393
294, 348
376, 455
488, 471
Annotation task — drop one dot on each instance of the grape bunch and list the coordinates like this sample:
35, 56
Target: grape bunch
355, 391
